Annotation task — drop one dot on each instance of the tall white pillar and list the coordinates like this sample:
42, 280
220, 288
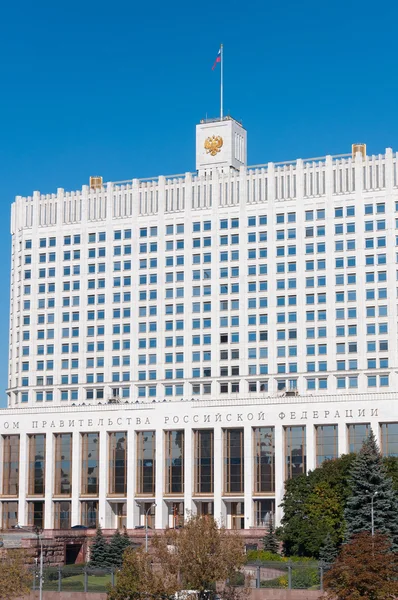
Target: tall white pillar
131, 470
219, 505
103, 480
161, 514
76, 477
188, 471
310, 440
48, 510
279, 471
248, 470
23, 478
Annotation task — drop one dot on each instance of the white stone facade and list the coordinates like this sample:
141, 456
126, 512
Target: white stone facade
268, 290
220, 284
351, 416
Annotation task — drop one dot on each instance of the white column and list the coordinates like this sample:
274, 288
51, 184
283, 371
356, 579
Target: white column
23, 476
103, 480
76, 477
342, 446
48, 505
219, 505
161, 515
131, 472
248, 470
279, 471
188, 471
310, 437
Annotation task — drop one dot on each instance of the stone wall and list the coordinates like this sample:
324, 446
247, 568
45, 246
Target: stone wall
55, 542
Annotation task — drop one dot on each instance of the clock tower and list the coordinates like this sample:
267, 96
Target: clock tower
220, 143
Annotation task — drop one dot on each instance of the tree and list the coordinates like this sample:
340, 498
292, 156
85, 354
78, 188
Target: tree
117, 547
368, 478
99, 550
365, 568
15, 578
313, 505
270, 541
328, 551
195, 557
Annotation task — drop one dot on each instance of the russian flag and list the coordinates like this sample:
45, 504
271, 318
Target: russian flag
218, 59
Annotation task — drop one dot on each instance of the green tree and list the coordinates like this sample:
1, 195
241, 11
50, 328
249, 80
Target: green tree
99, 550
391, 465
270, 541
314, 506
365, 568
328, 551
368, 478
117, 546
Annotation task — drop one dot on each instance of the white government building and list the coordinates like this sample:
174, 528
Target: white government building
187, 343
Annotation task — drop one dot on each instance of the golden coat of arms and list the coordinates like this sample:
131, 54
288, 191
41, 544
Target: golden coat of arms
213, 144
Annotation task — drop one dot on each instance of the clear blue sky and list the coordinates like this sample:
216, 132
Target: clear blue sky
116, 88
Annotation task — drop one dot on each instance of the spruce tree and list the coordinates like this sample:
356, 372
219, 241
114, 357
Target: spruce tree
368, 478
126, 540
270, 541
328, 551
117, 546
99, 551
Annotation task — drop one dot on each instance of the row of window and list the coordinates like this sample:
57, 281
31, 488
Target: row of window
233, 457
225, 387
197, 226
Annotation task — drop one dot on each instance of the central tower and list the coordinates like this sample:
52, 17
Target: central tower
220, 143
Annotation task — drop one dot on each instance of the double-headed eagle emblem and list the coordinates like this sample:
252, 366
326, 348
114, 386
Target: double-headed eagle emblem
213, 144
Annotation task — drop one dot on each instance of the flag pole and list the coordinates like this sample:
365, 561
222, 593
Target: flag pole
221, 83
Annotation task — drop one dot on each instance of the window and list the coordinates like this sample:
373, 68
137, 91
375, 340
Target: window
295, 451
326, 443
174, 462
118, 463
233, 461
264, 459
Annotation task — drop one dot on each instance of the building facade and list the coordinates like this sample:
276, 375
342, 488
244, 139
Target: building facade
115, 464
199, 338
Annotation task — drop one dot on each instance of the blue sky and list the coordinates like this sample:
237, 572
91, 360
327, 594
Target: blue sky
116, 88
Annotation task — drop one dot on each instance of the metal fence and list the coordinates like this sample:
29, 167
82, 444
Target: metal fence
306, 575
75, 578
289, 575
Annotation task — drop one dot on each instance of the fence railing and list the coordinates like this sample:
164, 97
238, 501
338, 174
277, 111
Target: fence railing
75, 578
275, 575
290, 575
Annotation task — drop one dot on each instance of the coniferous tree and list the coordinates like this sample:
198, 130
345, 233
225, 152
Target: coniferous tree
99, 551
368, 479
270, 541
117, 546
328, 551
126, 540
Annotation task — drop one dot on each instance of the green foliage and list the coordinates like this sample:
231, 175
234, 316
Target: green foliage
270, 541
328, 552
99, 551
302, 578
368, 478
314, 506
391, 465
263, 556
117, 546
